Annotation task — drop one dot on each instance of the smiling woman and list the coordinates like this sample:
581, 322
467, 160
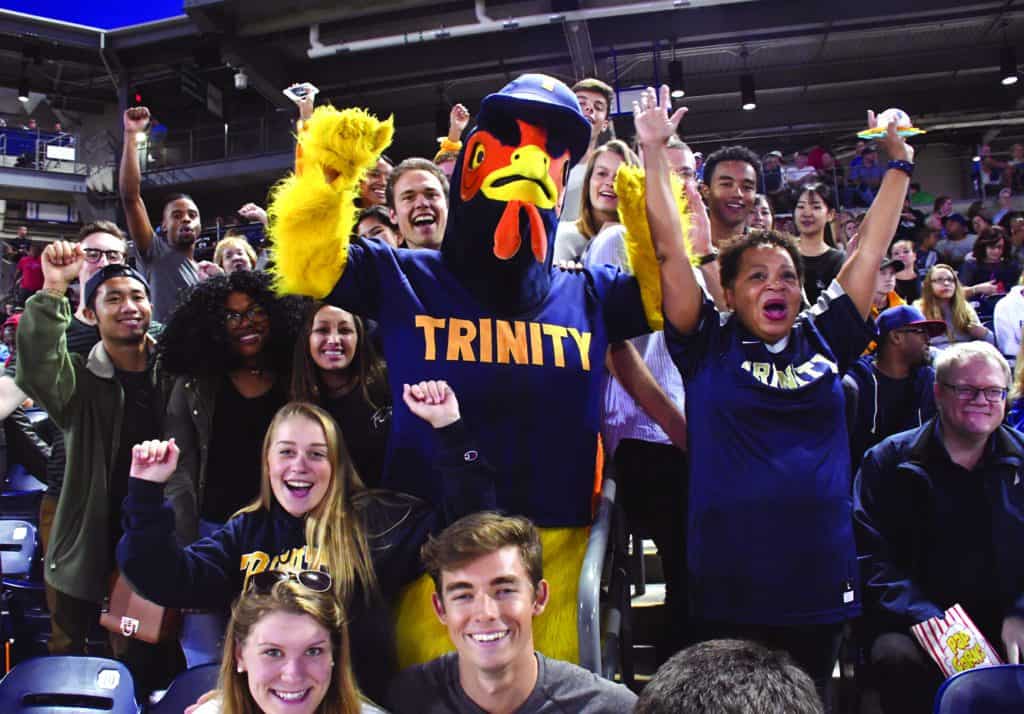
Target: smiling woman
598, 202
337, 367
229, 345
287, 650
313, 518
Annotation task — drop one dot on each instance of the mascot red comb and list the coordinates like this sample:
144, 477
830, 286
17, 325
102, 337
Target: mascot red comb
522, 344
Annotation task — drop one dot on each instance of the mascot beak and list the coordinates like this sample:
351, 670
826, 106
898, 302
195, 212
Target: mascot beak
526, 178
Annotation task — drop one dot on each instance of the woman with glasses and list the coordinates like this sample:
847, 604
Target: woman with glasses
313, 517
228, 345
942, 298
286, 650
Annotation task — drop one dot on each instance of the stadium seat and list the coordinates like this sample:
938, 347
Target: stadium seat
984, 690
17, 546
186, 689
68, 685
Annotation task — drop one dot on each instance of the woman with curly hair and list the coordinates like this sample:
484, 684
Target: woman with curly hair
228, 345
336, 367
942, 298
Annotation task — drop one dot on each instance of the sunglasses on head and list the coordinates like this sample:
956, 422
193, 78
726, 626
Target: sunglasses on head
315, 580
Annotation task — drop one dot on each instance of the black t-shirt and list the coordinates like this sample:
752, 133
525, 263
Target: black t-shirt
896, 406
909, 290
233, 467
365, 428
820, 270
140, 421
960, 564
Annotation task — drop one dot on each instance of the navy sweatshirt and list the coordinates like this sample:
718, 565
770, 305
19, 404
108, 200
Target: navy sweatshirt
210, 573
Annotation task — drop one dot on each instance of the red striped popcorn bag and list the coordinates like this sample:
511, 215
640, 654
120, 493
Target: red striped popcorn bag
955, 642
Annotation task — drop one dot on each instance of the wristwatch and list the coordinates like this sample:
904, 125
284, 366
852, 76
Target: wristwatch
709, 258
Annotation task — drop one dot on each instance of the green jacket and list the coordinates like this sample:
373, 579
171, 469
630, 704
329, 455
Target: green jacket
84, 399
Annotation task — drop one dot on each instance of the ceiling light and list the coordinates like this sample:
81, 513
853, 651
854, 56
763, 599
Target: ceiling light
23, 90
748, 94
1008, 66
675, 79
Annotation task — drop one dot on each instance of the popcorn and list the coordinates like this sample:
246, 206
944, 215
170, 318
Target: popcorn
955, 642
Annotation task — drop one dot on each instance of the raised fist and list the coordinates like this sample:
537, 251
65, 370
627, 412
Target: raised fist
136, 119
61, 262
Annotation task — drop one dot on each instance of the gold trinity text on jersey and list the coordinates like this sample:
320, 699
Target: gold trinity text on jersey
502, 341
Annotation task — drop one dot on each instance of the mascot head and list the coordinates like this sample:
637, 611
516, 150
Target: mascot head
507, 189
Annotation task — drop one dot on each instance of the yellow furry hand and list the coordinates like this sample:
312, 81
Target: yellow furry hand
345, 143
643, 263
311, 219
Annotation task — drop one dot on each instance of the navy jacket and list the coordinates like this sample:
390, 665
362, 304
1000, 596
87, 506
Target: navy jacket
211, 573
893, 515
865, 423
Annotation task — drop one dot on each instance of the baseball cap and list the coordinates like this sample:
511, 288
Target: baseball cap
107, 272
775, 152
896, 318
892, 263
959, 217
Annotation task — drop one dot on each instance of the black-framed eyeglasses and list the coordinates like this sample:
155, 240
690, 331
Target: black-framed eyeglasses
93, 255
967, 393
253, 314
315, 580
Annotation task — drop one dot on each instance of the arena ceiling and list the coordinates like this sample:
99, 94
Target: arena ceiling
817, 65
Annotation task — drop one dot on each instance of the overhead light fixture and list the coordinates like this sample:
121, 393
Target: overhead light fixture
748, 93
23, 90
1008, 66
675, 79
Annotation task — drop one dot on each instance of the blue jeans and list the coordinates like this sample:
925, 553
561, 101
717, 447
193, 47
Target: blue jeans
202, 633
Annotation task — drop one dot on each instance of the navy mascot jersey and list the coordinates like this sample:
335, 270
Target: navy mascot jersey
529, 383
770, 537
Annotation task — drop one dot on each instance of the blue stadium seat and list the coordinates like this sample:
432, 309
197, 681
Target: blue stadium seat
984, 690
17, 546
68, 685
186, 689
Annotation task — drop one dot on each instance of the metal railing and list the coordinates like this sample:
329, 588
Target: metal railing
162, 147
602, 648
41, 151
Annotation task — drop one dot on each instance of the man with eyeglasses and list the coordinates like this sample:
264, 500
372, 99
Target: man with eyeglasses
102, 243
890, 390
104, 402
939, 513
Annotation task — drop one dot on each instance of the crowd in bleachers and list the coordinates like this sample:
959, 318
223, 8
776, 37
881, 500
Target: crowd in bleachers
801, 381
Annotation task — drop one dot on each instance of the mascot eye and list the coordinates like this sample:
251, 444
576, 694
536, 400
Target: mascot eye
477, 157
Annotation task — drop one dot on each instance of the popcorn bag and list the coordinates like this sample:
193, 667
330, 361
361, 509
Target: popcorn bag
955, 642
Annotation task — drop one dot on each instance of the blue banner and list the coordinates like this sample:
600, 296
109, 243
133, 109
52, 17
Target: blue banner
94, 13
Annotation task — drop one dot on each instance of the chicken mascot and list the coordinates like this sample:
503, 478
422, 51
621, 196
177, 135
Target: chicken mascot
522, 343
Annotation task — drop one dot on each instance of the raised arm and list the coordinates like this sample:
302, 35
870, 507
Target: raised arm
129, 182
857, 276
681, 296
44, 368
203, 575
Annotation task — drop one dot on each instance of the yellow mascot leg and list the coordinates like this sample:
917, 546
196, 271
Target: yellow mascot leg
421, 637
